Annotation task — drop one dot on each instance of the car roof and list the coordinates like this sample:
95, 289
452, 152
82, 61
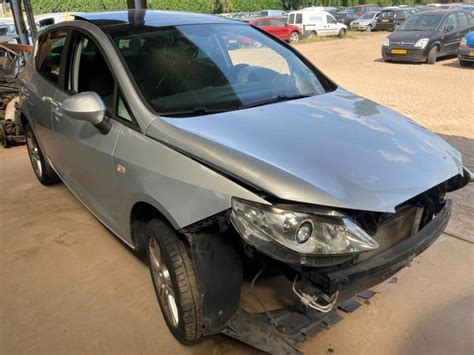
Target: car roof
156, 17
438, 11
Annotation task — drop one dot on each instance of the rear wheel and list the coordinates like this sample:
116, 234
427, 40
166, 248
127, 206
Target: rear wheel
175, 282
432, 55
43, 171
342, 33
294, 37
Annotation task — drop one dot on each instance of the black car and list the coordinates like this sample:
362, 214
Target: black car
427, 36
346, 17
390, 19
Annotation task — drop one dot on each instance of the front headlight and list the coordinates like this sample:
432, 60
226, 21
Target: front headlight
386, 42
316, 232
422, 42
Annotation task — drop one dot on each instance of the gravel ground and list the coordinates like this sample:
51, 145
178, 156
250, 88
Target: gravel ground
440, 96
67, 286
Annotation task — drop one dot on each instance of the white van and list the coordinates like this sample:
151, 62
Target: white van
316, 23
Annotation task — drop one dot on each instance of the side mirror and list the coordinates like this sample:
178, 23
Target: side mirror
449, 28
87, 106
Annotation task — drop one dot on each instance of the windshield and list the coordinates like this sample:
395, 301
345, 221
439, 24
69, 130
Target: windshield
207, 68
428, 22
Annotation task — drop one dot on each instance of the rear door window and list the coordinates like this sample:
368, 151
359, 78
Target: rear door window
50, 54
276, 23
462, 20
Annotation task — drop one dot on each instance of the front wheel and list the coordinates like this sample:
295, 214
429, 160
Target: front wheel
342, 33
369, 28
432, 55
43, 171
294, 37
175, 282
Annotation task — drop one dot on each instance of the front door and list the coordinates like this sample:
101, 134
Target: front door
84, 154
331, 26
40, 90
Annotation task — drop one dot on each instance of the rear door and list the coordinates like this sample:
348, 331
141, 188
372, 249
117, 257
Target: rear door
464, 25
40, 89
452, 35
84, 154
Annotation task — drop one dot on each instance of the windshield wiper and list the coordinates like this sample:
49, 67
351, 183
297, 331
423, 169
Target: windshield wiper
279, 98
198, 110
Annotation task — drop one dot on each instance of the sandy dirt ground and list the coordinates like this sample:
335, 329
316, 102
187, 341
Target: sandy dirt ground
67, 286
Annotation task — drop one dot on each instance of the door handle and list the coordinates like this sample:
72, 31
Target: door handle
57, 114
50, 100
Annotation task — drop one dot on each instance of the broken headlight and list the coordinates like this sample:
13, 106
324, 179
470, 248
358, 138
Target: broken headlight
296, 236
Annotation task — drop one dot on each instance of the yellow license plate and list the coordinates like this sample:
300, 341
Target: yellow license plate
399, 51
384, 20
471, 54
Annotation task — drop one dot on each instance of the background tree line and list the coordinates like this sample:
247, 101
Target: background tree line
208, 6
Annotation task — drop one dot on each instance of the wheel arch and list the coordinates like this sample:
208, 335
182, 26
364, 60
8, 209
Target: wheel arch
24, 120
141, 213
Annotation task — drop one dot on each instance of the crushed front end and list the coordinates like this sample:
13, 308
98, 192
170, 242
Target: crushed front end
330, 255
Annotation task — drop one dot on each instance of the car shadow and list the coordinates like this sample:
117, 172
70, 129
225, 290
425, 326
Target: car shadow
455, 64
440, 59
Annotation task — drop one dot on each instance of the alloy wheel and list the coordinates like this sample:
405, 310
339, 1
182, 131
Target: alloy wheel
34, 152
163, 284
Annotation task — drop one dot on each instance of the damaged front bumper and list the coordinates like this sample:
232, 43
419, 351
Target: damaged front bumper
365, 274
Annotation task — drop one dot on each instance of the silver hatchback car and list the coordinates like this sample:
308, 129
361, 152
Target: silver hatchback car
217, 159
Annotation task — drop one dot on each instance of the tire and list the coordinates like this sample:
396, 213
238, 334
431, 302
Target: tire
463, 63
43, 171
175, 282
432, 55
294, 37
342, 33
369, 28
312, 34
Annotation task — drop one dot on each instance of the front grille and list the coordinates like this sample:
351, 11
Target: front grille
402, 44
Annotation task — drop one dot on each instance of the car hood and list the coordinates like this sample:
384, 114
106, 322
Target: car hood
336, 149
409, 36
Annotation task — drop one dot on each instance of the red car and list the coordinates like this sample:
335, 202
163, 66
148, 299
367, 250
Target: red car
278, 27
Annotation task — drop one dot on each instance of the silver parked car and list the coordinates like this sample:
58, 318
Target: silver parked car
213, 160
366, 22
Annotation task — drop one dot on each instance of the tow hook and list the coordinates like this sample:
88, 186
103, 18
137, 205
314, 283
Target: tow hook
315, 299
